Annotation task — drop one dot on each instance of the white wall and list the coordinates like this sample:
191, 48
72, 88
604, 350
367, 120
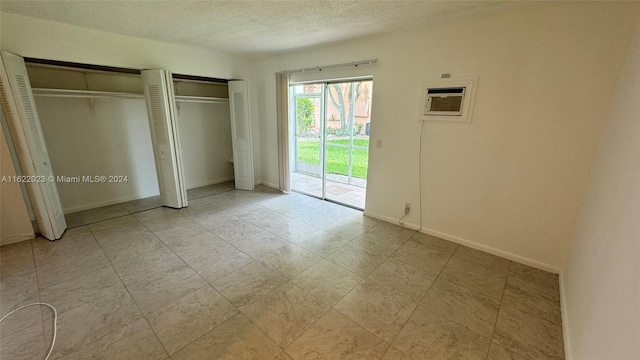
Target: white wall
511, 181
14, 220
205, 136
116, 140
45, 39
601, 280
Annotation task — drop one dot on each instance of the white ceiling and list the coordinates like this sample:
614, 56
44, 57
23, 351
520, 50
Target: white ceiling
254, 28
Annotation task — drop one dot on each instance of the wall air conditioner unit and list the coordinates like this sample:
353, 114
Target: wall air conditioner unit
448, 100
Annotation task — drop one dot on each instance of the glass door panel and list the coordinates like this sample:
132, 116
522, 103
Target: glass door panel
348, 115
307, 174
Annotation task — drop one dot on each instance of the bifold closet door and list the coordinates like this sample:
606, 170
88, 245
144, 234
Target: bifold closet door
24, 126
241, 135
160, 99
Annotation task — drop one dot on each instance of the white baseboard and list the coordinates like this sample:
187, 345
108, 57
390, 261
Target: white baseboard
271, 185
17, 238
104, 203
568, 352
472, 244
136, 197
210, 182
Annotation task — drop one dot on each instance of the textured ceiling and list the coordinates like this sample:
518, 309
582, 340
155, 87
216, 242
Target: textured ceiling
255, 28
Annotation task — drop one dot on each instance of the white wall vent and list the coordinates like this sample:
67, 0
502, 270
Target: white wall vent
448, 100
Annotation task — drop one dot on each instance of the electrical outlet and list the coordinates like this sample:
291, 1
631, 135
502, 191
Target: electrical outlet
407, 207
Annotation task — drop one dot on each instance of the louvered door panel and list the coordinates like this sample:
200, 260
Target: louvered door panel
160, 99
241, 135
26, 133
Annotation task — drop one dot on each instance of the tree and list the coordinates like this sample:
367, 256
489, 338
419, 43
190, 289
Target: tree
343, 96
305, 115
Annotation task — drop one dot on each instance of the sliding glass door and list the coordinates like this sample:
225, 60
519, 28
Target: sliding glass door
330, 138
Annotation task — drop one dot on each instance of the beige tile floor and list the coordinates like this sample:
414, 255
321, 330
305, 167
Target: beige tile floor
262, 275
351, 195
91, 216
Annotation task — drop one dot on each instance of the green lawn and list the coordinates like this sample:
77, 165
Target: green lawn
337, 157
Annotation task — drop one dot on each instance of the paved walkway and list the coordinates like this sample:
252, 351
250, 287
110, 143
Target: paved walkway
336, 191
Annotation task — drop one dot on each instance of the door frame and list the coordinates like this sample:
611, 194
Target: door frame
323, 136
293, 150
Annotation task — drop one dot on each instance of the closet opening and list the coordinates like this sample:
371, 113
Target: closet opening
203, 114
95, 126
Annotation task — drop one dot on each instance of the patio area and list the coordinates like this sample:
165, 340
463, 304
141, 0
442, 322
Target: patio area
336, 191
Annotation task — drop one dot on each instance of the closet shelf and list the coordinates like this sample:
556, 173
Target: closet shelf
90, 94
202, 99
87, 94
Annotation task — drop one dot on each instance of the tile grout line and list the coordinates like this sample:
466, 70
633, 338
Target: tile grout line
257, 201
144, 317
423, 296
499, 308
464, 286
129, 293
418, 303
291, 282
111, 265
258, 260
457, 284
305, 329
131, 212
35, 269
200, 276
239, 311
210, 285
360, 282
18, 253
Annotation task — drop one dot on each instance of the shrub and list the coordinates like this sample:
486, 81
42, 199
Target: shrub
305, 115
358, 128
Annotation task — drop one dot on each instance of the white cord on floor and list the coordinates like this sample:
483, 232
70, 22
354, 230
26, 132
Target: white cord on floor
55, 322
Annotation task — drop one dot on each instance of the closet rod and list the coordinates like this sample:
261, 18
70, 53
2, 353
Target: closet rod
73, 65
85, 94
202, 99
199, 79
334, 66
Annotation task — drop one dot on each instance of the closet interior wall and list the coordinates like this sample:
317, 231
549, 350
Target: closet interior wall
205, 132
93, 137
